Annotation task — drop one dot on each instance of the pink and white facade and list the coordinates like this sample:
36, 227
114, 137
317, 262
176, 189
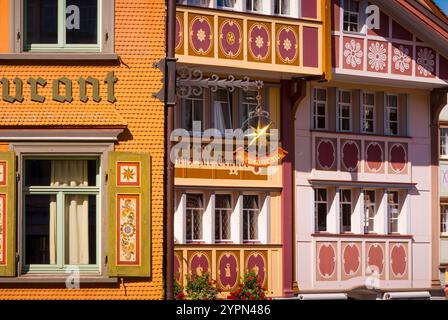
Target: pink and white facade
364, 180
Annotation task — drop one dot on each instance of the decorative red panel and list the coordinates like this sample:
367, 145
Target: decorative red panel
326, 263
351, 260
256, 261
311, 45
325, 154
259, 42
335, 53
201, 35
374, 157
398, 158
287, 44
402, 59
350, 155
179, 38
199, 263
398, 261
425, 63
228, 269
377, 56
178, 266
353, 52
231, 38
375, 259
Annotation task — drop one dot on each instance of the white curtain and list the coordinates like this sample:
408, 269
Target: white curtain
71, 173
218, 116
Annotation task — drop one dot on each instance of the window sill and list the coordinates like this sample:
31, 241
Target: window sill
69, 56
354, 235
43, 278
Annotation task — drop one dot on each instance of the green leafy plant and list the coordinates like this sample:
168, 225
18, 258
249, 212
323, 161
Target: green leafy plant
178, 291
201, 288
250, 289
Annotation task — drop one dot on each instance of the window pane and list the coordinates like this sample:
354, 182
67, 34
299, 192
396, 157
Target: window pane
87, 30
191, 110
41, 21
222, 110
40, 229
80, 229
56, 173
250, 202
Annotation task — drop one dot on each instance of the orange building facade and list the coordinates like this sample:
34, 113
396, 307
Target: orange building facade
82, 149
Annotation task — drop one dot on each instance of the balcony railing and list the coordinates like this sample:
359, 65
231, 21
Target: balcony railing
248, 41
227, 264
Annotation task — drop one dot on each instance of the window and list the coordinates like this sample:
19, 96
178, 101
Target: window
251, 211
249, 104
391, 115
61, 215
345, 205
195, 211
223, 213
320, 209
344, 111
444, 141
222, 110
393, 210
319, 108
282, 7
226, 4
192, 109
444, 219
62, 25
199, 3
351, 16
254, 5
368, 113
369, 211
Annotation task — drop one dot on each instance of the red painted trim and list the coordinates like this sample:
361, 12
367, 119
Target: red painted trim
4, 248
287, 136
137, 231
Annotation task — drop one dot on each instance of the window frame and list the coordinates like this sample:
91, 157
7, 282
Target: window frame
60, 193
106, 36
260, 207
181, 106
314, 102
316, 207
204, 208
387, 121
444, 224
341, 213
100, 150
390, 218
363, 111
367, 219
443, 138
340, 104
230, 212
360, 15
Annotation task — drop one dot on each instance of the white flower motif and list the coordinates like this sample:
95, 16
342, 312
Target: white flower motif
402, 59
287, 44
377, 56
353, 53
200, 35
425, 61
259, 42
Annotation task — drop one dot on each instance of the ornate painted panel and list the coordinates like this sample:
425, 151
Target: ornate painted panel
398, 158
128, 174
128, 228
398, 253
256, 261
250, 42
390, 51
326, 261
351, 262
228, 269
350, 155
178, 266
326, 154
199, 262
375, 157
376, 259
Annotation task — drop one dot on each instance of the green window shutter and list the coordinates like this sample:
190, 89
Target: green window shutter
7, 214
129, 229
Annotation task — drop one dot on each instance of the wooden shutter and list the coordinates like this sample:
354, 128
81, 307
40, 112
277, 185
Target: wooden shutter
129, 228
7, 214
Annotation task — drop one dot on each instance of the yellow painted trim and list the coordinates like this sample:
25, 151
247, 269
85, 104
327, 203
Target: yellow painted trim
5, 25
326, 42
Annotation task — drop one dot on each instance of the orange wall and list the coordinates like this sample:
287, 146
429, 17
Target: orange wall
4, 25
139, 41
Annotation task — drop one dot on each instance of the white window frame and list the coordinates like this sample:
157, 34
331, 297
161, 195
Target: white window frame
237, 5
387, 109
294, 9
340, 105
360, 14
443, 142
231, 209
444, 219
367, 219
390, 218
341, 203
257, 218
250, 9
314, 104
192, 240
316, 211
365, 106
181, 106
